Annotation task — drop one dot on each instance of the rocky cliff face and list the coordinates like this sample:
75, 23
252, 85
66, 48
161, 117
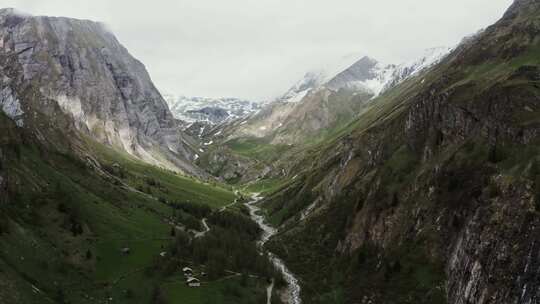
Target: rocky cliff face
361, 71
433, 197
78, 70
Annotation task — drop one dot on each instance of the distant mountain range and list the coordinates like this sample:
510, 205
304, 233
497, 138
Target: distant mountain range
328, 98
209, 110
366, 75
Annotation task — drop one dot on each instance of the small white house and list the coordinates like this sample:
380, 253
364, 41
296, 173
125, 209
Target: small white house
187, 271
193, 282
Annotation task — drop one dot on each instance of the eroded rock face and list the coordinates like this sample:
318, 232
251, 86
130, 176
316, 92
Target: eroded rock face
479, 225
441, 182
361, 70
11, 106
494, 264
80, 66
486, 241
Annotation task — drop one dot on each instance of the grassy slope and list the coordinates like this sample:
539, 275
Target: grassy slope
256, 148
174, 186
50, 191
221, 291
107, 213
307, 245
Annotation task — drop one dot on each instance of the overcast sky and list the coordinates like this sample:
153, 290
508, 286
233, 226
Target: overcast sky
257, 48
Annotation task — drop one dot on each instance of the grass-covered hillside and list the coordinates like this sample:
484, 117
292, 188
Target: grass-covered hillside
431, 195
67, 217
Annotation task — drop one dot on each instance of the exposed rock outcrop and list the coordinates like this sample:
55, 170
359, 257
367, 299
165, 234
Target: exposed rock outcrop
434, 196
80, 68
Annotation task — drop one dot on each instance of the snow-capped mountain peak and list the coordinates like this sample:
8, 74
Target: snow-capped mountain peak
300, 89
374, 77
410, 68
366, 74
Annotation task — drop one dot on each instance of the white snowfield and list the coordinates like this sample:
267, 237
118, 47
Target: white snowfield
188, 109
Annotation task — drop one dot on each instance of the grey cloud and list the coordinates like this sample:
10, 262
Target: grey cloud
256, 49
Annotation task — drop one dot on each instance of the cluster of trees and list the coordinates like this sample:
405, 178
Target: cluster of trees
72, 221
144, 189
189, 214
150, 183
73, 224
229, 246
188, 220
224, 249
115, 170
196, 210
236, 222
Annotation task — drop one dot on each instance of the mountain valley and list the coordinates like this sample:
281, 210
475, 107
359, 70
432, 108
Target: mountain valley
375, 183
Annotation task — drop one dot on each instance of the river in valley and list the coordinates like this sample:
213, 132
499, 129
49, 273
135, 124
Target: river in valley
293, 287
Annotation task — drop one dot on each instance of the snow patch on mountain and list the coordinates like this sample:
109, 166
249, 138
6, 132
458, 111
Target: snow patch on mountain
296, 96
369, 79
430, 57
300, 89
316, 78
365, 75
411, 68
369, 75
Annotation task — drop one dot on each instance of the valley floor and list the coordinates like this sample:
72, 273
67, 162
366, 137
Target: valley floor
71, 232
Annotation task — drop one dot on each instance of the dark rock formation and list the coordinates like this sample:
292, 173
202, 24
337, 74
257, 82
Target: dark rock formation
433, 197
